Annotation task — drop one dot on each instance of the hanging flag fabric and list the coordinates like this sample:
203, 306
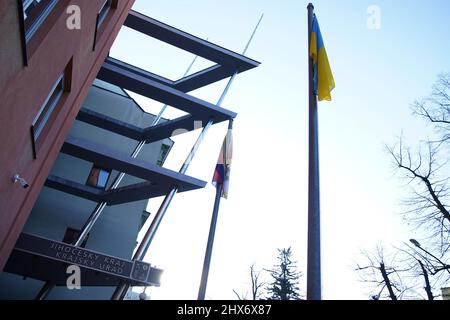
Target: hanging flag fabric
322, 76
222, 171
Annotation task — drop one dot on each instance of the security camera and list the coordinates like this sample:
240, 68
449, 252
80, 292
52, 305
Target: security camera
142, 296
21, 180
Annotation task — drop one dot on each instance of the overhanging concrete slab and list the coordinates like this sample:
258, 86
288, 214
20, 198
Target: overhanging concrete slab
188, 42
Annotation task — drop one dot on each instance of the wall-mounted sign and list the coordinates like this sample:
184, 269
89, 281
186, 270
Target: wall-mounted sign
134, 271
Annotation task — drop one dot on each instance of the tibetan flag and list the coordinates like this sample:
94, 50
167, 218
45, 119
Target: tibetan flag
222, 172
322, 76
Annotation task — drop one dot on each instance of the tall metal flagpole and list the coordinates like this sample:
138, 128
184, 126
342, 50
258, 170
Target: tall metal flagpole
212, 228
212, 231
149, 235
209, 246
314, 284
48, 286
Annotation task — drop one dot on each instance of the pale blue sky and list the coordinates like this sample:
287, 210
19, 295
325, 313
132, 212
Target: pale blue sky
378, 73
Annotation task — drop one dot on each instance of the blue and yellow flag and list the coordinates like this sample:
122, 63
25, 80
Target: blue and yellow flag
322, 76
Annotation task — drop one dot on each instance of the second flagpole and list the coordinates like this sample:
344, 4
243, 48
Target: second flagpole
209, 246
212, 229
219, 190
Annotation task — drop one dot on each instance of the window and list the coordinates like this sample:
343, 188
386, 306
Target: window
34, 14
101, 16
103, 12
28, 6
48, 107
71, 236
98, 177
163, 154
144, 217
47, 110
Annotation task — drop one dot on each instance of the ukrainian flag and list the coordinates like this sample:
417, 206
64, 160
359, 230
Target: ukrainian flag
322, 76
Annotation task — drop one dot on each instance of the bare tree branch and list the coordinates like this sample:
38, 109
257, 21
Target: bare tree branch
426, 204
387, 282
427, 281
238, 296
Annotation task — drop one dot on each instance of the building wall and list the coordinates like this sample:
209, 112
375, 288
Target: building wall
24, 89
116, 230
445, 293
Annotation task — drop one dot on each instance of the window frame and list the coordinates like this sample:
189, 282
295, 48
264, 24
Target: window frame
160, 161
38, 18
103, 12
47, 110
29, 29
101, 17
144, 217
94, 166
48, 106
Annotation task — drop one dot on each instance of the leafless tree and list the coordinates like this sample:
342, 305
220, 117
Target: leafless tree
256, 285
434, 263
436, 107
427, 168
420, 276
427, 204
383, 275
412, 273
417, 272
427, 287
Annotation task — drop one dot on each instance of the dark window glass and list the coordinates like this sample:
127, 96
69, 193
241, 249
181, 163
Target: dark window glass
163, 154
28, 6
47, 108
72, 235
98, 177
103, 12
34, 14
144, 217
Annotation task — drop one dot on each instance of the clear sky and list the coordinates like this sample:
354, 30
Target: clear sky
378, 74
